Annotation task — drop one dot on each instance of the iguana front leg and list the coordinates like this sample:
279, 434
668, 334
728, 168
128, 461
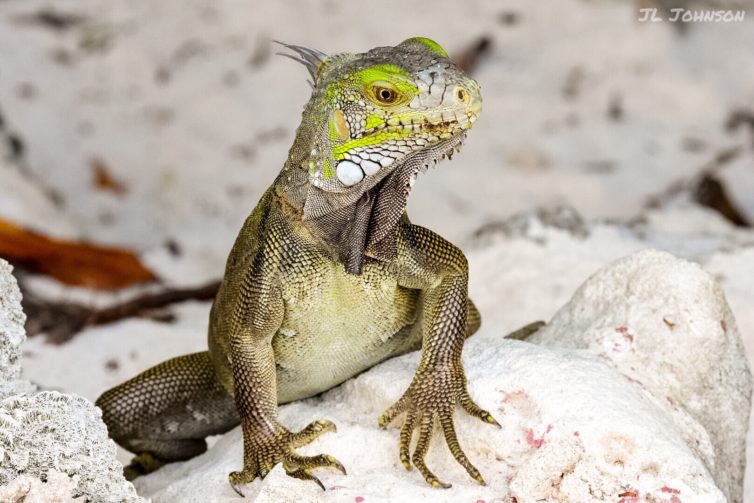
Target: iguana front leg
428, 262
256, 318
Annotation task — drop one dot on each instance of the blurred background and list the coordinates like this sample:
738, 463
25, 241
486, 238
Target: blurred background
135, 137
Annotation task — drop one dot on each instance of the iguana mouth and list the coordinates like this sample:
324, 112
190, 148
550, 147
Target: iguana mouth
436, 125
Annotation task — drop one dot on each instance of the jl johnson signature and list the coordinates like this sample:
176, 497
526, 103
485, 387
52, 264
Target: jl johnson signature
675, 15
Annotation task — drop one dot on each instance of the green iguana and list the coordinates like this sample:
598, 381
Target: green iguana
327, 278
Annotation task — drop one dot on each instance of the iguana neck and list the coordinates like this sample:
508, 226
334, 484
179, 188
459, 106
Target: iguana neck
352, 230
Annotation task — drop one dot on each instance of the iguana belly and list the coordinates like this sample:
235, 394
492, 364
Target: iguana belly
337, 325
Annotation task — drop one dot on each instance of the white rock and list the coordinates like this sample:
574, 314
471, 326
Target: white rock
58, 488
665, 323
575, 429
12, 333
48, 432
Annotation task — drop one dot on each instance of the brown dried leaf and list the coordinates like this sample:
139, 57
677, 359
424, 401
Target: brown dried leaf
73, 263
103, 180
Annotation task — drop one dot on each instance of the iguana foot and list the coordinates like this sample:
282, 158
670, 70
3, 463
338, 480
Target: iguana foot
142, 464
433, 394
263, 450
524, 332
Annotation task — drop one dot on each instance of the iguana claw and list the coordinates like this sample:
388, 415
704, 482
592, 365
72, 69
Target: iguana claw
267, 450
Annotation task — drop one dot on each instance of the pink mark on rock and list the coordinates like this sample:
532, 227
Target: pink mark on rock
358, 499
576, 433
675, 499
670, 490
670, 400
534, 442
624, 330
537, 442
480, 501
514, 395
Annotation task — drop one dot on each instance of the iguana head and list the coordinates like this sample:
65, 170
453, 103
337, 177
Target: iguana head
374, 111
377, 119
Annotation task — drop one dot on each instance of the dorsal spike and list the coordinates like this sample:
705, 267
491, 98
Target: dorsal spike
310, 58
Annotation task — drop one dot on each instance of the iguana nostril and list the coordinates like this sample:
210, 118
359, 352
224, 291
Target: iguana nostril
462, 95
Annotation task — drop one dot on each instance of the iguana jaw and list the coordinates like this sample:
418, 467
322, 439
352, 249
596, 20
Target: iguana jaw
451, 146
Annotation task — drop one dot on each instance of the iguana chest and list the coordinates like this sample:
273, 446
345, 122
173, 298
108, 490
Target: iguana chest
337, 325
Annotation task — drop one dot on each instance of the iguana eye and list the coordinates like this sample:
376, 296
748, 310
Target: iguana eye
385, 95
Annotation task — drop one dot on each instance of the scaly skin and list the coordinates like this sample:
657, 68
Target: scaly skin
328, 278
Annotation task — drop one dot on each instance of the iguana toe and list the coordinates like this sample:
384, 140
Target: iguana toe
473, 409
312, 431
237, 479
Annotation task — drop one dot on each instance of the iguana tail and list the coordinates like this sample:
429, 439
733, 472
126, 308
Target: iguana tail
164, 413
